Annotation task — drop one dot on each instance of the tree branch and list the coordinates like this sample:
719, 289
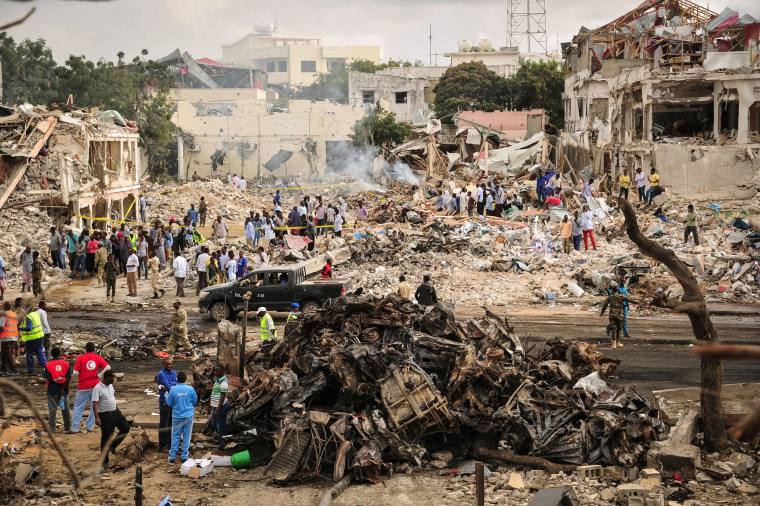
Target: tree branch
693, 304
724, 351
19, 21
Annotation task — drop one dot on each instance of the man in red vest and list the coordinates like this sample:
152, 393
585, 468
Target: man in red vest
8, 340
58, 374
327, 270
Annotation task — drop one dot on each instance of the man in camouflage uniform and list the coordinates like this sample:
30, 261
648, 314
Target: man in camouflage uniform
38, 269
616, 303
178, 326
202, 209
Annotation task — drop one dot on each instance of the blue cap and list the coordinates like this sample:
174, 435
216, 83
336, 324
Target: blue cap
295, 304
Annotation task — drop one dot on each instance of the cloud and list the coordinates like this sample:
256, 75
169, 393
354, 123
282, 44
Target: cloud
399, 27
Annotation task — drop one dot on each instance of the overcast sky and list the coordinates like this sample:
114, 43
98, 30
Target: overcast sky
399, 27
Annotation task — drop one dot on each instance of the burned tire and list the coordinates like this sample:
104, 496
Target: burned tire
311, 306
219, 311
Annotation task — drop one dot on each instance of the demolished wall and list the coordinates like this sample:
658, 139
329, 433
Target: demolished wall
698, 172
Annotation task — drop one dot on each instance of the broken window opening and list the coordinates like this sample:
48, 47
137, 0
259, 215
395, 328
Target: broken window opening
581, 109
754, 122
401, 97
729, 118
638, 124
598, 108
368, 97
682, 120
308, 66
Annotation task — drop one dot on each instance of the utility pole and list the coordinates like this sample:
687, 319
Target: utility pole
258, 149
430, 53
181, 157
241, 350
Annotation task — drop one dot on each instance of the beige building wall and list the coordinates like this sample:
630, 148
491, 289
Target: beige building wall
488, 58
293, 60
252, 135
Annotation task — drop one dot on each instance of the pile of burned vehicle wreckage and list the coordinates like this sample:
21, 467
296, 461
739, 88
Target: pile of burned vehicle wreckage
366, 383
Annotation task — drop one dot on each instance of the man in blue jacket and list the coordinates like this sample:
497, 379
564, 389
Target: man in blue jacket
166, 379
182, 400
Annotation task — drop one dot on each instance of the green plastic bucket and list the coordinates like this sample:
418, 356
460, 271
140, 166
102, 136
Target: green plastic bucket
241, 460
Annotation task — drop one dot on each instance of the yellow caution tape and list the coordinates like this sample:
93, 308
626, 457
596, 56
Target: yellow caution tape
374, 194
127, 213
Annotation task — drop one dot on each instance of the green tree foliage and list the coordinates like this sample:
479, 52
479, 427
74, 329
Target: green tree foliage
538, 86
370, 67
469, 87
28, 71
379, 129
137, 89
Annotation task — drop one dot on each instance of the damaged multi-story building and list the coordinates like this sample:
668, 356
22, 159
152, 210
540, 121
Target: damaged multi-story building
670, 85
76, 163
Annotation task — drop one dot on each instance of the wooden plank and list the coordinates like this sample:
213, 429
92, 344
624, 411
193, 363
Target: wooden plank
18, 173
51, 122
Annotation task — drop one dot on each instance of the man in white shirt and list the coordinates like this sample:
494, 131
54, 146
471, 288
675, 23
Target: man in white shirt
250, 232
499, 200
180, 273
45, 327
338, 227
200, 266
132, 263
261, 259
235, 179
242, 184
143, 208
107, 416
220, 228
480, 199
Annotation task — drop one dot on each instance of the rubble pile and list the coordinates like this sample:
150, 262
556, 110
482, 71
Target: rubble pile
472, 258
366, 381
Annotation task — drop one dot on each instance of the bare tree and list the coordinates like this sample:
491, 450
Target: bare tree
693, 304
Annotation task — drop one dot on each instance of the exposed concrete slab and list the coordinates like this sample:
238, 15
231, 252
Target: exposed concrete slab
685, 430
674, 459
739, 399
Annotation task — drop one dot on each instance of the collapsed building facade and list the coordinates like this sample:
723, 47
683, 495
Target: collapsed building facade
81, 163
670, 85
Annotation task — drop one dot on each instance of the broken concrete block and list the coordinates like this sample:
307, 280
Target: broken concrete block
732, 484
23, 474
556, 496
655, 500
591, 472
536, 480
614, 473
685, 429
674, 459
515, 482
746, 488
438, 464
444, 456
740, 463
649, 478
627, 491
607, 494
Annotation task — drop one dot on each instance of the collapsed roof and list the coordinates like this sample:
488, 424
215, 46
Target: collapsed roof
211, 74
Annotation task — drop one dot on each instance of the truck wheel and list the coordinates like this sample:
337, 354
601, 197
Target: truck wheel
311, 307
219, 311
